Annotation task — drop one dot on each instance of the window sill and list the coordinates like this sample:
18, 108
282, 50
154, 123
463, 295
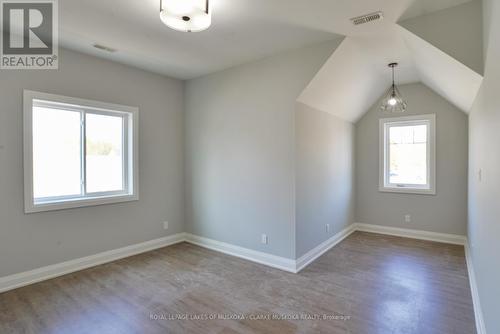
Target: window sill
78, 203
414, 191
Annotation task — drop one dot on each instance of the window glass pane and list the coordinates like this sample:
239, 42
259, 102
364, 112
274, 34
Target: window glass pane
56, 152
104, 160
408, 154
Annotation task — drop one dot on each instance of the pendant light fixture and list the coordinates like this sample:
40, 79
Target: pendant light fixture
393, 101
186, 15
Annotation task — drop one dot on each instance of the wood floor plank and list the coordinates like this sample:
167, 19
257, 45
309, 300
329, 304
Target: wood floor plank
368, 283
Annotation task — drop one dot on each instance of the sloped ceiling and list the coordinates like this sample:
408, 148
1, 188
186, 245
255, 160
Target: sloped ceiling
437, 42
448, 77
456, 31
349, 88
424, 7
242, 30
450, 62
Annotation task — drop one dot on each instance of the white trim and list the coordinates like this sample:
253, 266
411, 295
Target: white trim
131, 154
79, 203
322, 248
278, 262
41, 274
384, 185
267, 259
478, 313
414, 234
79, 103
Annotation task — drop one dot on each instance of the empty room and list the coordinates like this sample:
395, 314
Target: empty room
250, 166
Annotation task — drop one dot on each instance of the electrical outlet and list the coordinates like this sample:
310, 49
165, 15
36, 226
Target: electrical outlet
327, 228
165, 225
264, 239
407, 219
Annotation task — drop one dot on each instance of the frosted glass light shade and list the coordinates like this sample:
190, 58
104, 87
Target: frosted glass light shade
186, 15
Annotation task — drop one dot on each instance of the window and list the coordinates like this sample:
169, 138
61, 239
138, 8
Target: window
407, 154
78, 152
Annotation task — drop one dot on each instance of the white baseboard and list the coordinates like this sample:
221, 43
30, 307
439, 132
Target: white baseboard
278, 262
478, 313
322, 248
63, 268
244, 253
414, 234
289, 265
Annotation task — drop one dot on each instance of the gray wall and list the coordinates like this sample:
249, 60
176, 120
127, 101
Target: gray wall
36, 240
324, 176
240, 150
456, 31
446, 212
484, 193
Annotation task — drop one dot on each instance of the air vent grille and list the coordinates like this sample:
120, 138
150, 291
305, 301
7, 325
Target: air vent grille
367, 18
104, 48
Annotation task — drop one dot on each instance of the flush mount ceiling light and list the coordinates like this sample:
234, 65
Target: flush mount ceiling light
186, 15
393, 101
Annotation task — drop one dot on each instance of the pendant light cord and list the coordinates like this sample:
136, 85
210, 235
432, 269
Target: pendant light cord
393, 84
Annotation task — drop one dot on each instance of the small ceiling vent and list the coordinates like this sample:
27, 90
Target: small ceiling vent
367, 18
104, 48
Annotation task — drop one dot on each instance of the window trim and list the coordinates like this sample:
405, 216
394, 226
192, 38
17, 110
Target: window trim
430, 187
130, 155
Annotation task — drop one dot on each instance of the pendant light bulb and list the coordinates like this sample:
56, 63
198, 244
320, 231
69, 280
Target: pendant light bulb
392, 101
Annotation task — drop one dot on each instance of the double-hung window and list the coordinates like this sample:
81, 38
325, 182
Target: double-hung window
408, 154
78, 152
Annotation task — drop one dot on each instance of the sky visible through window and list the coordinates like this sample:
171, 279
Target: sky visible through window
57, 153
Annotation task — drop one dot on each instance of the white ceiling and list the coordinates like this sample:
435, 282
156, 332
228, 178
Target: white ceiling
356, 75
423, 7
134, 28
242, 30
447, 76
348, 84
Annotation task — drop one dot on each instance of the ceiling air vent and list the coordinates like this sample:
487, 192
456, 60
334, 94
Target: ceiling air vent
367, 18
104, 48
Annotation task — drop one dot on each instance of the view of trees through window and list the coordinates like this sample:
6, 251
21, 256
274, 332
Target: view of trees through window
408, 154
104, 158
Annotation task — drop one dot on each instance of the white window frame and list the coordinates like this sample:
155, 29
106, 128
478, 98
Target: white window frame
130, 152
385, 124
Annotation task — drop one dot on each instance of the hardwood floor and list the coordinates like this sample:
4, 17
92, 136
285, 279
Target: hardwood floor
380, 284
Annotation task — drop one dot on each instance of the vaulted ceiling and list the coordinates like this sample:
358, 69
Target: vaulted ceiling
437, 42
441, 49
